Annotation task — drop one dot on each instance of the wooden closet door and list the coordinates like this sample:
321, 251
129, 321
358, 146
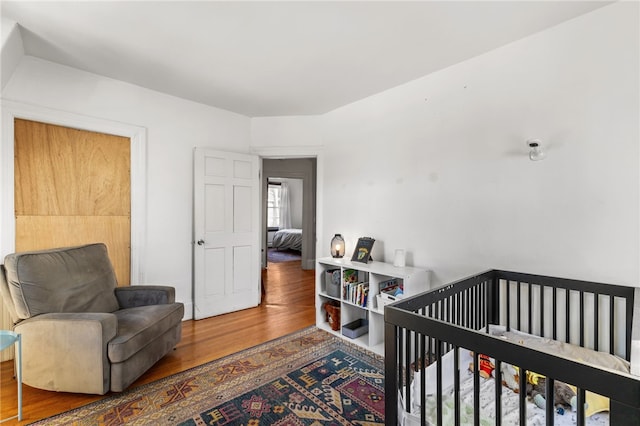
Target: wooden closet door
73, 187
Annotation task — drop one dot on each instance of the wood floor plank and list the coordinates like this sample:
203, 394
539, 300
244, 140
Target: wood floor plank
287, 306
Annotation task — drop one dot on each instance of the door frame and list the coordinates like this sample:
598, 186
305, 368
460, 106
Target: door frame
136, 134
293, 152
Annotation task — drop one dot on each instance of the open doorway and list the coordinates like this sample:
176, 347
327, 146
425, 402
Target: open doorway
289, 206
284, 220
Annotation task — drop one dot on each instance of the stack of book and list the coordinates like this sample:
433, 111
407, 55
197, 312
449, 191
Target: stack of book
356, 293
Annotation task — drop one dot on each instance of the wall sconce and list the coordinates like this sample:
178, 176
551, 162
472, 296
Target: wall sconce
337, 246
536, 153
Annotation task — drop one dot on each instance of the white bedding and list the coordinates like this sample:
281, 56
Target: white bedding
288, 239
510, 407
510, 400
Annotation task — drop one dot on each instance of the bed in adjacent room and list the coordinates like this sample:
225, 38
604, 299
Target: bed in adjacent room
288, 239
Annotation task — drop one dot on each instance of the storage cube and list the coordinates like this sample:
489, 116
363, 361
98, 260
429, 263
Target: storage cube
356, 328
332, 282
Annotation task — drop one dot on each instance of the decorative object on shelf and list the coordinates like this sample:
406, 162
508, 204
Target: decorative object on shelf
333, 314
362, 253
536, 152
337, 246
399, 258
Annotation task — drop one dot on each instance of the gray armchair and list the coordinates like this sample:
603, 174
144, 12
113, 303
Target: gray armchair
80, 332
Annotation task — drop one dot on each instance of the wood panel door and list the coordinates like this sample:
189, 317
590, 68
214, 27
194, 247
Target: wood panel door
73, 187
226, 229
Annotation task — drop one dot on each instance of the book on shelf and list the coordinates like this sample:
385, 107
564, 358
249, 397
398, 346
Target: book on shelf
356, 293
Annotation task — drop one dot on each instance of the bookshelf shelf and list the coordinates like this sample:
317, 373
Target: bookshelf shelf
337, 282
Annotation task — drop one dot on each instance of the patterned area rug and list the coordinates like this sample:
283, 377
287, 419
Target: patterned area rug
307, 378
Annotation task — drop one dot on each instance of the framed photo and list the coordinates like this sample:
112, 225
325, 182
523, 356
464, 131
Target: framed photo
362, 253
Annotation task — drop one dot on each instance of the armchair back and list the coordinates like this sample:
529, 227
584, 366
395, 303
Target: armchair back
62, 280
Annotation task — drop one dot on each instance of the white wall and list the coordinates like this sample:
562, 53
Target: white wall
12, 50
439, 166
174, 127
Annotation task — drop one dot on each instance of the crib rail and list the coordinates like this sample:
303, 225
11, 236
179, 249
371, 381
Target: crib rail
421, 329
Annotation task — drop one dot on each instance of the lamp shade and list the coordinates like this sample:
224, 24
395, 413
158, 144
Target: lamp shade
337, 246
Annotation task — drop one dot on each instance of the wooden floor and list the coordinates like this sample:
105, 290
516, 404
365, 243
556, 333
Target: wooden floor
288, 305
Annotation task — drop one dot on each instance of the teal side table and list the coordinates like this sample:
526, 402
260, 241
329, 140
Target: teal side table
8, 338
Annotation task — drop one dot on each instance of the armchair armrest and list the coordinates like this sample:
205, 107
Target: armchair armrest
143, 295
55, 344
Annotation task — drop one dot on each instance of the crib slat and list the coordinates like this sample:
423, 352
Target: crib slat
554, 318
476, 389
474, 304
596, 319
428, 354
508, 305
542, 311
438, 383
483, 309
448, 316
582, 318
549, 406
400, 333
523, 396
628, 320
580, 415
519, 300
498, 388
476, 317
407, 366
529, 317
567, 337
456, 385
448, 319
416, 352
466, 308
611, 321
423, 380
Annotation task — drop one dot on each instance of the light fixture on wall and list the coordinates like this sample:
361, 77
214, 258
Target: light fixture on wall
536, 153
337, 246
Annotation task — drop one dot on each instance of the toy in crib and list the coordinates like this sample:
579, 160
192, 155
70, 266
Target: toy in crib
563, 395
486, 366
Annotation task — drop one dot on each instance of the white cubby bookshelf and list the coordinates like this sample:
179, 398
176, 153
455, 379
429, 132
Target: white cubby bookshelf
414, 280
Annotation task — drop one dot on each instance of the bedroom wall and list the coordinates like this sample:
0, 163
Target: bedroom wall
439, 166
174, 127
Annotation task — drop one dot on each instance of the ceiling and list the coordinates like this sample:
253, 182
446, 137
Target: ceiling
275, 58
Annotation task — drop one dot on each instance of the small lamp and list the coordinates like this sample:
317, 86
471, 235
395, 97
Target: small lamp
337, 246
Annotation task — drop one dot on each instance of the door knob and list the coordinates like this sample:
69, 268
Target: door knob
200, 242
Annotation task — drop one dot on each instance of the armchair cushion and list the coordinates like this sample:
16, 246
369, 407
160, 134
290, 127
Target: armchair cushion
77, 279
139, 326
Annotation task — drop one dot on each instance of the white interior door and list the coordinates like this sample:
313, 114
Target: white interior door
226, 232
